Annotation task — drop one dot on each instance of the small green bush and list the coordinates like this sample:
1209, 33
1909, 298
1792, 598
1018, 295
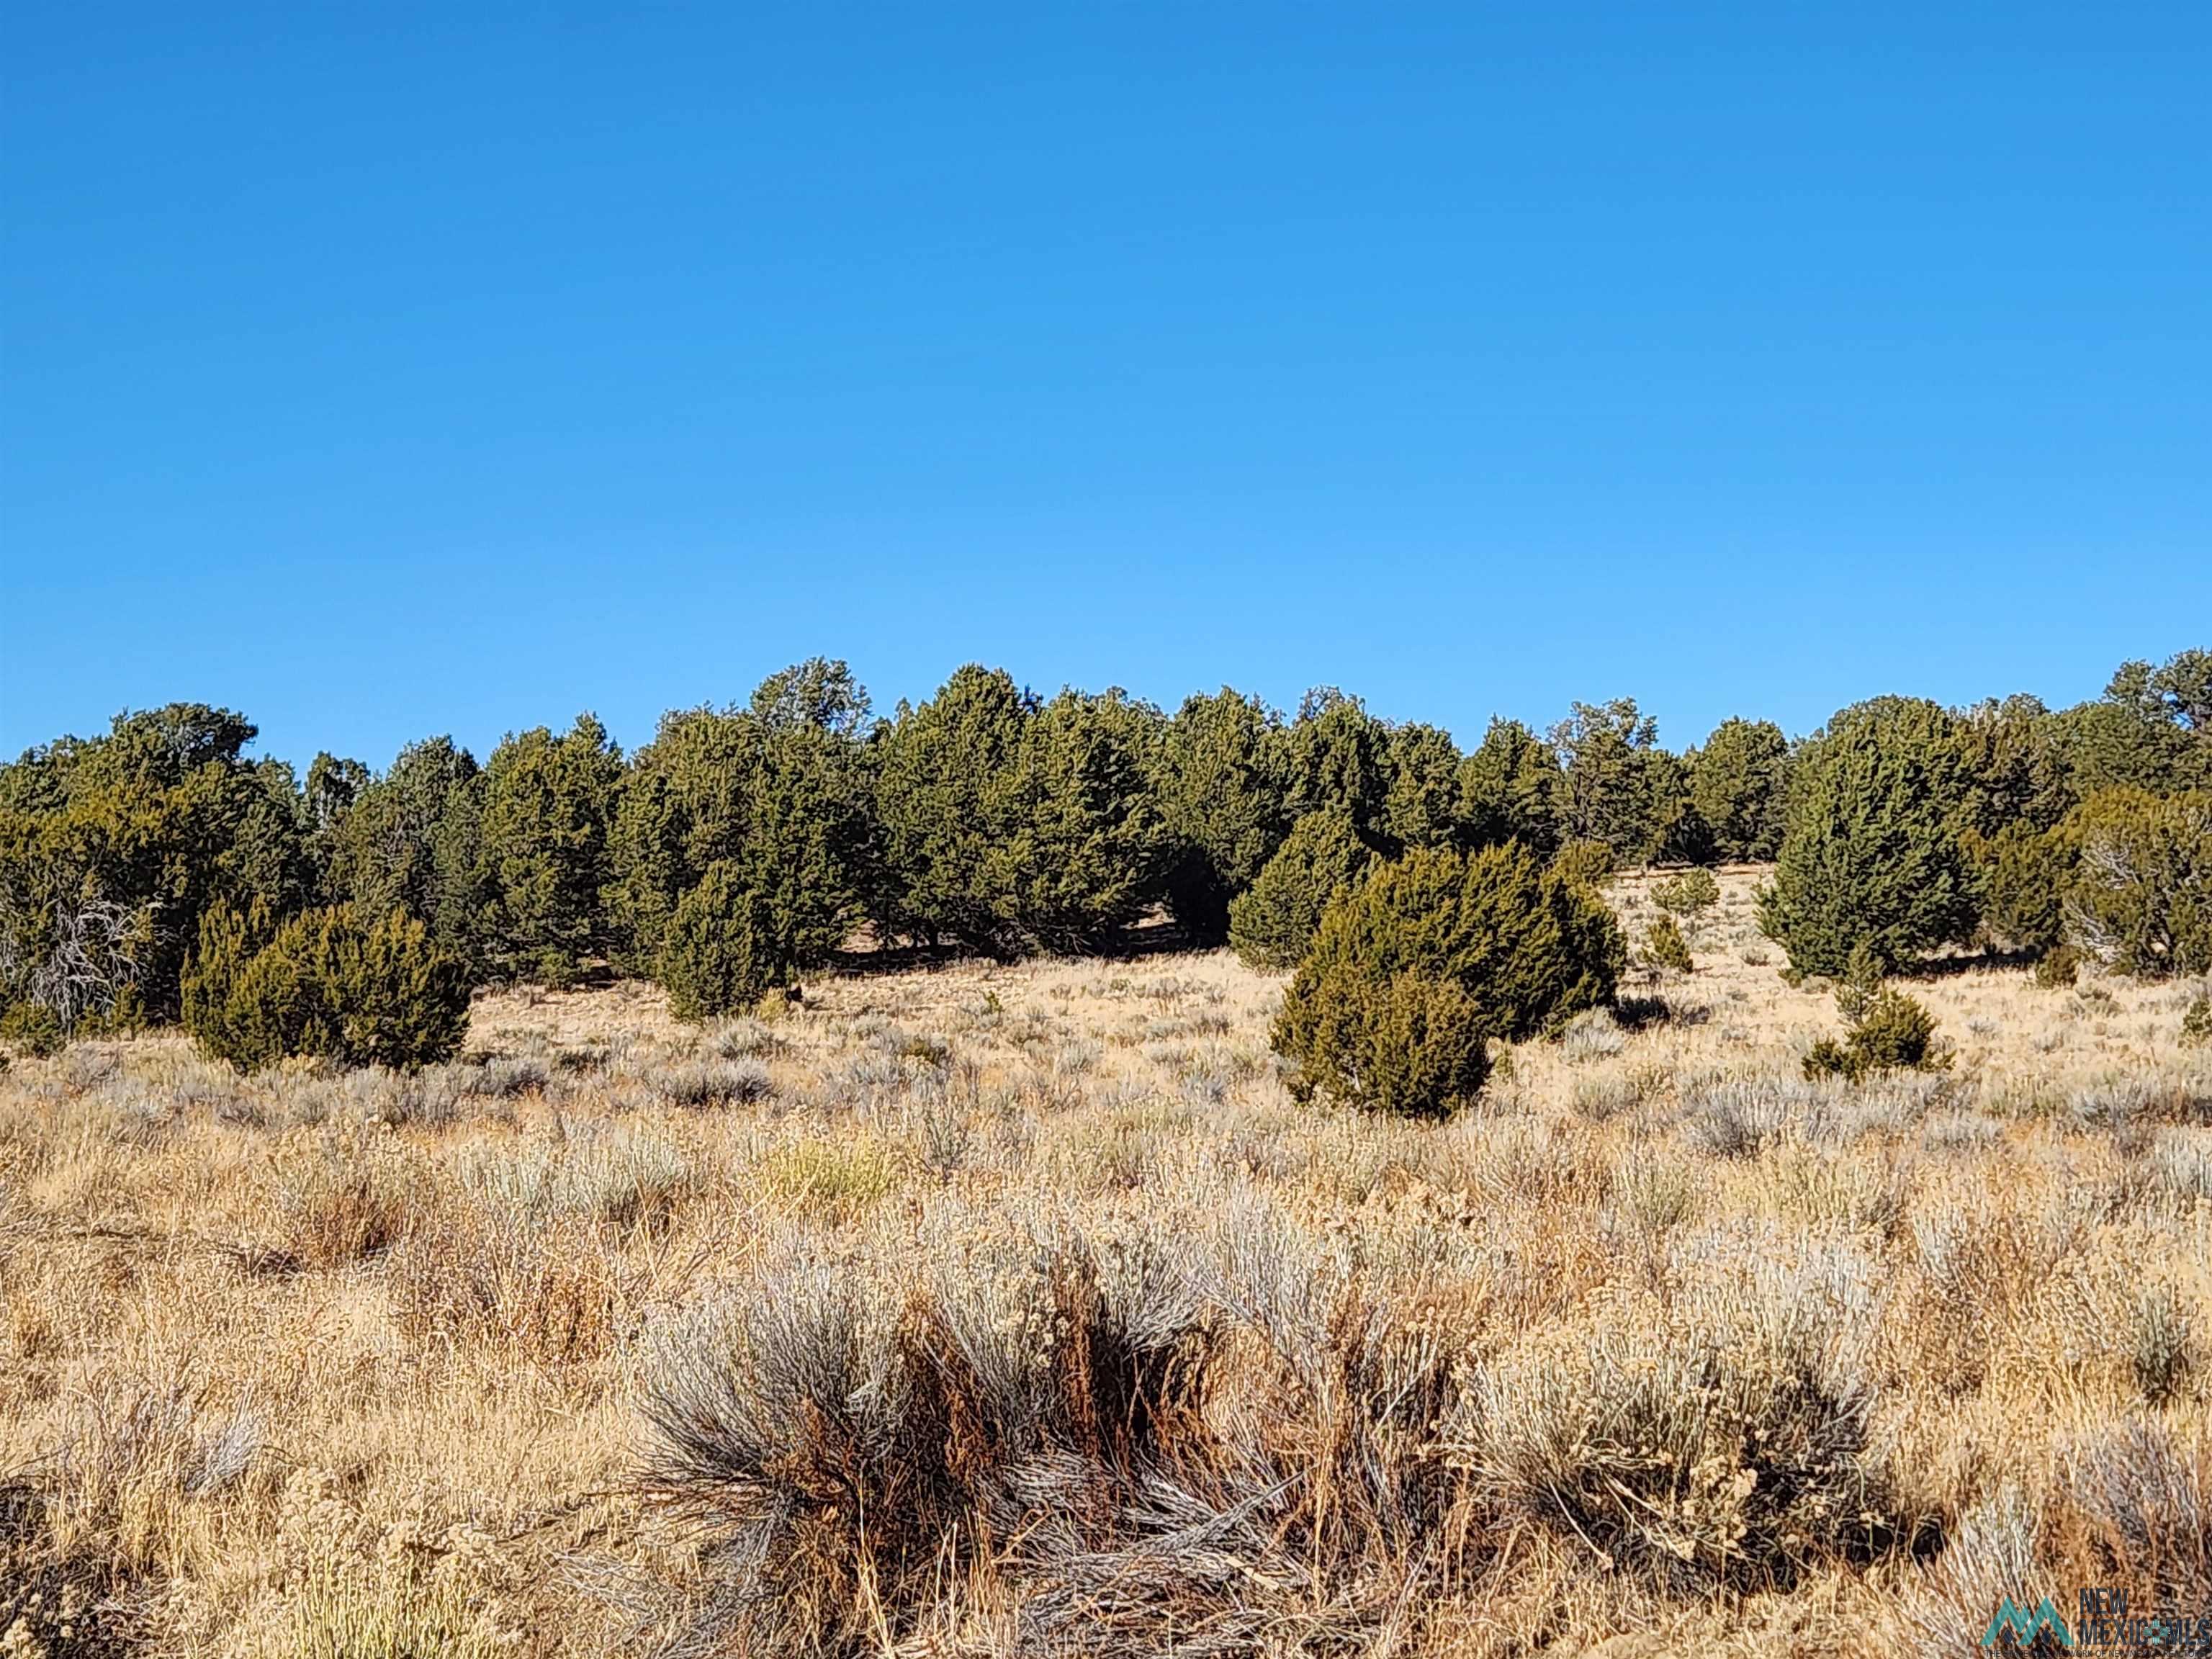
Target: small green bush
1891, 1032
2196, 1023
2057, 967
1272, 923
1585, 863
1525, 947
1687, 895
1863, 973
1413, 1045
719, 957
326, 983
33, 1030
1665, 947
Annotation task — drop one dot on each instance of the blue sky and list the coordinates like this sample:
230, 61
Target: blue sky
383, 370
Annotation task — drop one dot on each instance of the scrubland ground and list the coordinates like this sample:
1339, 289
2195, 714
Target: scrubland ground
1002, 1311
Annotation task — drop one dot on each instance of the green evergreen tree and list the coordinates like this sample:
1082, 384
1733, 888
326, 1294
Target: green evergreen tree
547, 803
1272, 923
1688, 896
1015, 826
948, 790
1421, 796
1736, 785
1336, 755
1886, 1032
1508, 790
1531, 947
411, 839
333, 788
113, 848
1613, 780
775, 791
718, 954
1873, 856
1525, 948
1665, 947
1221, 797
2016, 772
820, 696
1088, 851
2141, 899
326, 983
2024, 876
1411, 1044
1678, 833
2149, 731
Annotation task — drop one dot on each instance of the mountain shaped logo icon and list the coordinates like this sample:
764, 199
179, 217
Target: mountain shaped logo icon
2026, 1627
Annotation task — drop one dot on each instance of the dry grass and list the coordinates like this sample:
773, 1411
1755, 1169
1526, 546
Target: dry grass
1000, 1310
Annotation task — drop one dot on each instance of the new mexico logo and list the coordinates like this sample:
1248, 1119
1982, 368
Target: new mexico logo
2025, 1627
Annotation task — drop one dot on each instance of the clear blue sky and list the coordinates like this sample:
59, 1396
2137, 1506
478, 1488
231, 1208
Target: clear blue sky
382, 371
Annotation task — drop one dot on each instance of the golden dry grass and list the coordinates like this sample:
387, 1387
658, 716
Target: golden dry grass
1681, 1353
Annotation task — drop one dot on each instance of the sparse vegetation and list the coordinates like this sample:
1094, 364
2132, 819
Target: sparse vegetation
1046, 1273
1688, 896
994, 1306
1665, 947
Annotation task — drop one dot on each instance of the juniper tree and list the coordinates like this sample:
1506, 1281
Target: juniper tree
547, 803
1421, 794
1088, 850
1337, 756
1736, 784
1508, 789
1219, 785
330, 983
111, 848
718, 954
1272, 922
1873, 854
774, 791
947, 779
1612, 778
1525, 947
1014, 825
411, 839
2141, 897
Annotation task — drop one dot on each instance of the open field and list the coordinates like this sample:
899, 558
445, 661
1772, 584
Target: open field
1020, 1310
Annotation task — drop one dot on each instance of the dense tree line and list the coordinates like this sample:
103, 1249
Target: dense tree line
147, 868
